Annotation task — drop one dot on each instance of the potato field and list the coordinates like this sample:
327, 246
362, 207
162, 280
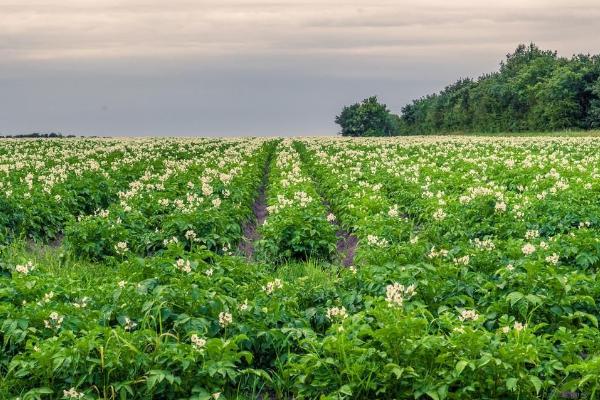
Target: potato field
439, 267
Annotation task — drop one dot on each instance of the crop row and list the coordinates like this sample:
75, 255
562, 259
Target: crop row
360, 205
502, 237
450, 194
44, 184
201, 200
476, 277
297, 225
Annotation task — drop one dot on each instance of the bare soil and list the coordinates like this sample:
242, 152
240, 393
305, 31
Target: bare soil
346, 246
259, 208
346, 241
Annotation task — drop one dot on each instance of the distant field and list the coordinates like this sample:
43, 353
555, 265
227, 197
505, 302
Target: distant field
442, 267
592, 133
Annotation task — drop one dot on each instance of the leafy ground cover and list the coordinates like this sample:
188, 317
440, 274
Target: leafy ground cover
474, 274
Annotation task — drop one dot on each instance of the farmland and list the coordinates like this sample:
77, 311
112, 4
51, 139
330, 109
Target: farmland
440, 267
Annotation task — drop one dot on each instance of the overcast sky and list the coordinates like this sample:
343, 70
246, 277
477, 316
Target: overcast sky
238, 67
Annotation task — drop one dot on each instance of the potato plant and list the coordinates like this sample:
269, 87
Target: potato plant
297, 225
475, 274
201, 200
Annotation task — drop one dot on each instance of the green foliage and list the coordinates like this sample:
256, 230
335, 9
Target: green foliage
535, 90
185, 209
297, 227
368, 118
475, 273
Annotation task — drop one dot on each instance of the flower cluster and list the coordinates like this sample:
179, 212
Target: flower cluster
468, 315
376, 241
129, 324
396, 293
72, 393
484, 245
183, 265
336, 313
54, 321
518, 327
225, 319
197, 341
270, 287
528, 249
25, 268
121, 248
553, 259
464, 260
439, 215
433, 253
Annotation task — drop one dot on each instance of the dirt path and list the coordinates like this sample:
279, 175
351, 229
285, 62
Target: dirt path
346, 241
259, 208
346, 246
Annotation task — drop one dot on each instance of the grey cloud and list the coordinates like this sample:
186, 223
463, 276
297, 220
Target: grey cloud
253, 67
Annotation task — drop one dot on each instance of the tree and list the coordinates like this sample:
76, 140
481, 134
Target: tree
558, 99
594, 113
534, 89
368, 118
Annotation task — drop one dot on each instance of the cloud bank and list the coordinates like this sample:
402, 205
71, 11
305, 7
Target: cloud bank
234, 67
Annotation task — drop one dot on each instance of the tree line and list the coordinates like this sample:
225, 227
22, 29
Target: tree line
534, 90
36, 135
